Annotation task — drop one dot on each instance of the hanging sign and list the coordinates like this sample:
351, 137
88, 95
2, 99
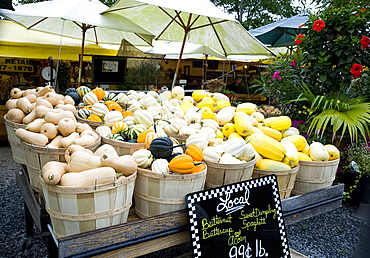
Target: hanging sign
241, 220
15, 65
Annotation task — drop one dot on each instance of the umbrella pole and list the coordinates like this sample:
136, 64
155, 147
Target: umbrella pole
179, 60
84, 28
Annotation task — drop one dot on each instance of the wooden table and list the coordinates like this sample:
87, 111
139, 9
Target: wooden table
166, 235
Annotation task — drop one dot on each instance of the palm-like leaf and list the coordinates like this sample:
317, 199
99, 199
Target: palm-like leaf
342, 112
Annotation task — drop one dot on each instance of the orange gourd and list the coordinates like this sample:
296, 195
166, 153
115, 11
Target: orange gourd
149, 138
113, 106
127, 113
94, 117
199, 168
99, 92
182, 164
195, 152
142, 136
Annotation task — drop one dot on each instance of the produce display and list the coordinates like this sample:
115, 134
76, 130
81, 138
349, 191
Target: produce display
84, 168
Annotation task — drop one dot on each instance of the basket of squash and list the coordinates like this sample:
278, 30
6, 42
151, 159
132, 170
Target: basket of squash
47, 137
166, 174
88, 191
24, 106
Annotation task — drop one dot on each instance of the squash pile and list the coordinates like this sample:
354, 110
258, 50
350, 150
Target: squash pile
84, 168
26, 106
164, 155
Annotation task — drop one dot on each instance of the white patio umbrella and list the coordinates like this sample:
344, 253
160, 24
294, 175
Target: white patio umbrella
78, 19
195, 21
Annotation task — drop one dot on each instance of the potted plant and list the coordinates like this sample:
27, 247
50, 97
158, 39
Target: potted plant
355, 173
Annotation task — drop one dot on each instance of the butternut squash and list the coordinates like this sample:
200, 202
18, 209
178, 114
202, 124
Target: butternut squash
31, 137
28, 92
125, 164
16, 93
89, 178
24, 104
35, 125
73, 148
54, 98
30, 117
11, 103
80, 127
54, 117
54, 144
31, 97
15, 115
106, 148
84, 140
91, 133
68, 100
49, 130
67, 107
42, 91
81, 160
43, 102
41, 111
53, 171
66, 126
67, 141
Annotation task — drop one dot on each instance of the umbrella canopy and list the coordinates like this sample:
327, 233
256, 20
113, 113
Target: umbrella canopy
191, 50
281, 33
78, 19
194, 21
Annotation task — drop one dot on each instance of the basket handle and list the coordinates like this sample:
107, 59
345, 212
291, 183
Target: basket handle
114, 180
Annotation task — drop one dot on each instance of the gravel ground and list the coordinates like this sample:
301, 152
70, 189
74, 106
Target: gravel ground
333, 234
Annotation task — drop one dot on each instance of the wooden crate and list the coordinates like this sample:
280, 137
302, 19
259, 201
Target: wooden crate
159, 193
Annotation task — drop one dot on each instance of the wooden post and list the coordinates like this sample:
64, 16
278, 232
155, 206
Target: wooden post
84, 28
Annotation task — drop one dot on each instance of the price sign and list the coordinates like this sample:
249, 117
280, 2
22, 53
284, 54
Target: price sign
15, 65
241, 220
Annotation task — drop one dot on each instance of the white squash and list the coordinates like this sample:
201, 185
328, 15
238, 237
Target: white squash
197, 139
235, 146
249, 153
225, 115
212, 154
160, 166
143, 157
143, 117
178, 92
112, 117
318, 152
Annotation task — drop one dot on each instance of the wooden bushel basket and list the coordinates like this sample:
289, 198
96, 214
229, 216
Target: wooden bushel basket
180, 138
37, 155
285, 179
159, 193
15, 143
315, 175
223, 174
76, 210
93, 124
123, 148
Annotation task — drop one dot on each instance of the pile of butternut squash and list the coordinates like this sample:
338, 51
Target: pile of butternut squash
84, 168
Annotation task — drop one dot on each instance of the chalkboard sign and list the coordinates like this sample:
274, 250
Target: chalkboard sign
240, 220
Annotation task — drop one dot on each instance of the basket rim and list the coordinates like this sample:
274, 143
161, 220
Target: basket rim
121, 181
168, 176
13, 124
319, 163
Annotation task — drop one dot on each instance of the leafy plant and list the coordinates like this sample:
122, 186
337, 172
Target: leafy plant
64, 75
145, 73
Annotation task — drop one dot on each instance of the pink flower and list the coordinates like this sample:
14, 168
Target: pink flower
318, 25
293, 63
276, 75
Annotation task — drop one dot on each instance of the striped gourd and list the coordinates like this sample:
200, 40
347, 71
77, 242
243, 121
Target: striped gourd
116, 137
279, 123
110, 96
268, 164
298, 140
267, 146
135, 130
291, 154
84, 113
275, 134
83, 90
